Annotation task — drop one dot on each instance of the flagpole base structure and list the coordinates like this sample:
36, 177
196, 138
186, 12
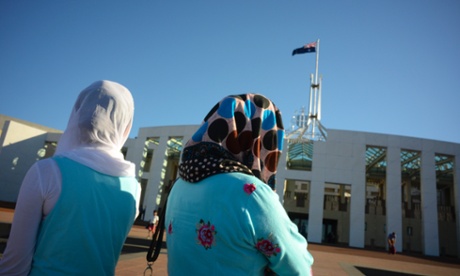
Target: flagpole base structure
305, 129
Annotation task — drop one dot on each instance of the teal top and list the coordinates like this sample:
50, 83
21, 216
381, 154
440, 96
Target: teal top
86, 230
231, 224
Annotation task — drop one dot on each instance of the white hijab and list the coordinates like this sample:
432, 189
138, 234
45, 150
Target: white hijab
98, 127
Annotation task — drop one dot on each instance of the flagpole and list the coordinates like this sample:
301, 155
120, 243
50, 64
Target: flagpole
319, 99
315, 86
310, 107
313, 130
317, 61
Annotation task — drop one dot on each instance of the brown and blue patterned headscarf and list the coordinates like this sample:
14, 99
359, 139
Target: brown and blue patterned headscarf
241, 133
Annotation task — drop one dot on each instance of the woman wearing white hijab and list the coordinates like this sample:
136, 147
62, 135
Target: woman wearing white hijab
75, 210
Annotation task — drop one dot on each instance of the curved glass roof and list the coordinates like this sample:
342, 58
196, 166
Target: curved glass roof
300, 155
410, 162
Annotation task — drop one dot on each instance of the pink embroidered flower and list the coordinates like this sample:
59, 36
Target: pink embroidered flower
206, 233
170, 229
267, 247
249, 188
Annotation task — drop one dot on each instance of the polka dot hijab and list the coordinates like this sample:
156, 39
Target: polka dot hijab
241, 133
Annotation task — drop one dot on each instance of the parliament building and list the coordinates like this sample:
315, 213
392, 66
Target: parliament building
353, 189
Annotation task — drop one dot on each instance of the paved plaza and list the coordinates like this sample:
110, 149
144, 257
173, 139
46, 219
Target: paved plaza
329, 260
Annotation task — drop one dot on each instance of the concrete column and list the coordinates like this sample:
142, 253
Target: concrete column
358, 197
281, 173
457, 199
429, 208
316, 196
393, 198
315, 216
156, 178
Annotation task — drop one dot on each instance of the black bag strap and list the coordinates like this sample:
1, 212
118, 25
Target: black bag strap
157, 238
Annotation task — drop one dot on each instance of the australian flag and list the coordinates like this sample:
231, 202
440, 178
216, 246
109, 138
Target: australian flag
308, 48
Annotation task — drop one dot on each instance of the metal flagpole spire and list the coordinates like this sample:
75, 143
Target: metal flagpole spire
317, 60
309, 128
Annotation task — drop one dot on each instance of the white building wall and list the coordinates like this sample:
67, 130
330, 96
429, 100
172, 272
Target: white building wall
19, 146
281, 174
339, 160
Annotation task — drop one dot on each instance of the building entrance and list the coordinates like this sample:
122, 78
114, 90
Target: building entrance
301, 220
329, 231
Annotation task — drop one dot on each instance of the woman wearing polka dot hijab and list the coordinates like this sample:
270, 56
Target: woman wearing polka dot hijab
223, 217
241, 133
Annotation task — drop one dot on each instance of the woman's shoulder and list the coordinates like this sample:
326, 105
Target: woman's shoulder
224, 185
236, 177
45, 166
238, 182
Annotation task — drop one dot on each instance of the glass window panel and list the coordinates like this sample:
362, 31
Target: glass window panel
48, 150
296, 195
411, 200
147, 155
444, 165
375, 209
170, 166
300, 156
336, 215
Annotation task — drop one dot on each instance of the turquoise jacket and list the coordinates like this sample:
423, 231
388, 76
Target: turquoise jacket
86, 230
231, 224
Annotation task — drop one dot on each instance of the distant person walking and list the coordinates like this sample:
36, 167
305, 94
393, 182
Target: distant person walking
75, 210
392, 243
153, 224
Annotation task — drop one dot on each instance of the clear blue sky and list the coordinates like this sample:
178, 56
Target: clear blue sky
388, 66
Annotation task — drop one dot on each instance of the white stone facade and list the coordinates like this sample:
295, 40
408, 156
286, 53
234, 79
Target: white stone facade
338, 165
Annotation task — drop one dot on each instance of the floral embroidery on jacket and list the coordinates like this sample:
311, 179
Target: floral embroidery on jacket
267, 246
206, 233
249, 188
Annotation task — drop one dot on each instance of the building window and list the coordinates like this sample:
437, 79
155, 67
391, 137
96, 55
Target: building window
337, 197
300, 156
375, 209
170, 167
444, 165
148, 160
376, 168
336, 215
445, 187
48, 150
150, 145
411, 199
410, 183
296, 195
